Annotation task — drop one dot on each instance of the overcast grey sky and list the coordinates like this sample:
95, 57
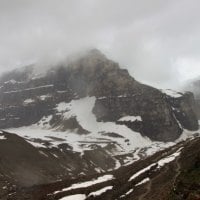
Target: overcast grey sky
157, 40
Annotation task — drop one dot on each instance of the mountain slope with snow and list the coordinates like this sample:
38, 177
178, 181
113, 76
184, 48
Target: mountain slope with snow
84, 117
157, 177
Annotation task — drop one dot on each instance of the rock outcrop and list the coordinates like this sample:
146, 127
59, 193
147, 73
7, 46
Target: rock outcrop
194, 86
184, 108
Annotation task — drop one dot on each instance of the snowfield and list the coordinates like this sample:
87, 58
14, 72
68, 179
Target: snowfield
128, 141
82, 110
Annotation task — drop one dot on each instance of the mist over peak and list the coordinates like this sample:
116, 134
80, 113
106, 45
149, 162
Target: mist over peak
157, 42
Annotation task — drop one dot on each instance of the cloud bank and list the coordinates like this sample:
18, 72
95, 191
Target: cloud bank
158, 41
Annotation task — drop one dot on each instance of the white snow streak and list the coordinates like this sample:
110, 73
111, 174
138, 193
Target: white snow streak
143, 181
87, 183
130, 118
141, 172
75, 197
101, 191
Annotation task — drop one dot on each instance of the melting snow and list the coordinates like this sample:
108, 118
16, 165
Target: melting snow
45, 122
82, 109
43, 97
169, 159
141, 172
75, 197
143, 181
12, 81
172, 93
130, 118
44, 154
101, 191
87, 183
160, 163
27, 101
127, 193
2, 137
62, 91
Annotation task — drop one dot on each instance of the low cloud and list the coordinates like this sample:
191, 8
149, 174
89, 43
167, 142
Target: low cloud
158, 41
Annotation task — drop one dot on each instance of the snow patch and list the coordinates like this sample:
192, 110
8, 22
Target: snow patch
141, 171
172, 93
44, 97
143, 181
127, 193
12, 81
101, 191
75, 197
169, 159
2, 137
159, 164
87, 183
130, 118
28, 101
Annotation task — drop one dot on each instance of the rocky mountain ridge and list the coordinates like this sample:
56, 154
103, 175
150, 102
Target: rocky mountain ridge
85, 117
93, 75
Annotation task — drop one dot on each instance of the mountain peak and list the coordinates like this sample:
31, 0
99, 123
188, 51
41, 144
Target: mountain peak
92, 56
96, 52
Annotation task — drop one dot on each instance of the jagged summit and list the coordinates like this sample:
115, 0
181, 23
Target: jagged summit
96, 53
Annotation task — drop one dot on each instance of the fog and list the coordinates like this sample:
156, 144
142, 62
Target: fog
158, 41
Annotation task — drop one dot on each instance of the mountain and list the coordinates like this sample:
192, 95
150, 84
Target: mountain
26, 98
194, 86
83, 117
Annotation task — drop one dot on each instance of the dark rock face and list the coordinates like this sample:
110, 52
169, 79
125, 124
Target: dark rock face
157, 122
25, 100
184, 110
194, 86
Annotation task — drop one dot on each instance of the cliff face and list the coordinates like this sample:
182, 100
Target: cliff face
157, 120
184, 108
24, 99
194, 86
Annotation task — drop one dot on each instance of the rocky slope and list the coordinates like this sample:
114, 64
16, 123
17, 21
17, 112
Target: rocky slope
83, 117
171, 174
